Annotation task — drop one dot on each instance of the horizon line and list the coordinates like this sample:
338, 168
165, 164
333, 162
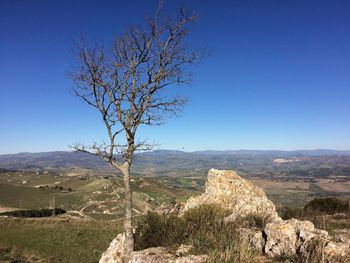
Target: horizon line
208, 150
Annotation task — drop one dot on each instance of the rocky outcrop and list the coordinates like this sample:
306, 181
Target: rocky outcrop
115, 254
253, 237
239, 196
337, 250
282, 238
115, 251
290, 237
279, 238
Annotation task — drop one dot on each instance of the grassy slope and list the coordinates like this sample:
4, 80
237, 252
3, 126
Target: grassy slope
24, 197
58, 240
103, 198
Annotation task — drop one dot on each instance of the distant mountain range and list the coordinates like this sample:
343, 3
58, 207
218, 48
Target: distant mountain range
280, 153
50, 160
159, 160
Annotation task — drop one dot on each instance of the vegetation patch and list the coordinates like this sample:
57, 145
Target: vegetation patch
325, 213
316, 207
328, 205
12, 255
203, 227
34, 212
56, 240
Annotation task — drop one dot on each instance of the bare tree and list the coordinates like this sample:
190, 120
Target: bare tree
128, 85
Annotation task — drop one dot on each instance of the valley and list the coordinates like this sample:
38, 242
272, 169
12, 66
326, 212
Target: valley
83, 183
92, 193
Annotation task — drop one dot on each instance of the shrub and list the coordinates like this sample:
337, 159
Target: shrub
237, 252
34, 212
316, 207
289, 212
315, 211
204, 218
328, 205
204, 228
158, 230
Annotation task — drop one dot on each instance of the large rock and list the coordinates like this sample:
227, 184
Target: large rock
239, 196
305, 232
115, 251
335, 250
115, 254
253, 237
293, 236
281, 239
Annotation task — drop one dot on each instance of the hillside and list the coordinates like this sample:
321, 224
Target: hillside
287, 177
164, 162
100, 198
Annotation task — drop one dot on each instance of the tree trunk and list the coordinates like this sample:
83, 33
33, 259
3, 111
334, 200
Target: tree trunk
129, 239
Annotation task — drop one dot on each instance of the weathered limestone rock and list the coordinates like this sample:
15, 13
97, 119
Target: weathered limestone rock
290, 236
151, 255
241, 197
340, 247
253, 237
322, 234
183, 250
337, 250
191, 259
305, 231
281, 239
294, 236
115, 252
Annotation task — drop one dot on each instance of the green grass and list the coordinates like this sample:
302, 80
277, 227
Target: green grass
82, 195
183, 182
13, 194
162, 193
24, 196
58, 240
320, 211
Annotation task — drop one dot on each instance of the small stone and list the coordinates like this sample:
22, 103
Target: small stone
183, 250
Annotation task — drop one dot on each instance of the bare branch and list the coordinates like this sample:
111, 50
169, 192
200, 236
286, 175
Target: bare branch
129, 83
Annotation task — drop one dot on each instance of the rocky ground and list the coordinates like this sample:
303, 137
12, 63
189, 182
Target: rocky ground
276, 239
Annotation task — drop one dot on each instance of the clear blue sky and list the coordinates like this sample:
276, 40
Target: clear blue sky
279, 77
